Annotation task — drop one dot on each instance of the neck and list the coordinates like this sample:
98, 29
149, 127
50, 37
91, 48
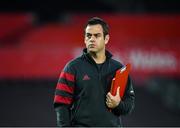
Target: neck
98, 57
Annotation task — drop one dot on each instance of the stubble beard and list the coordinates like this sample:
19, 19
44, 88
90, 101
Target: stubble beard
94, 51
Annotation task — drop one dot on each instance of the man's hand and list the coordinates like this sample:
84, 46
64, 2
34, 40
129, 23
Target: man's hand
113, 101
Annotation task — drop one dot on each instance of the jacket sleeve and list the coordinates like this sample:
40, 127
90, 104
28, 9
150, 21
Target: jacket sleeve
64, 96
127, 102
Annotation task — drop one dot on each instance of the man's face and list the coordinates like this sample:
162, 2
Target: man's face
94, 38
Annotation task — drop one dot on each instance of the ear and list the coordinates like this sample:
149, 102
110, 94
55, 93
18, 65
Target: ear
107, 37
85, 39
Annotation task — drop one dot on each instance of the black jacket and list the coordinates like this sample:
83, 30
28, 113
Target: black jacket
81, 91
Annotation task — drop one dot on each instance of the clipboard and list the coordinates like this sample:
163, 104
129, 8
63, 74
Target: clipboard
120, 79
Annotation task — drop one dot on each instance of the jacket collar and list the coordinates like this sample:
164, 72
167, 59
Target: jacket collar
87, 55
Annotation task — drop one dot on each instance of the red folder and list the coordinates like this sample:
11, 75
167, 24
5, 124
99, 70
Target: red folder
120, 79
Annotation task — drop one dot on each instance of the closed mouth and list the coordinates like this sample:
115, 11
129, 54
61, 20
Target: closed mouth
92, 46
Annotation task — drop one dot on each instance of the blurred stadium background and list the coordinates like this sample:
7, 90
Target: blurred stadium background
38, 37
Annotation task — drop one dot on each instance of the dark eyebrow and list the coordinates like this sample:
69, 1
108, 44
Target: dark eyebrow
88, 34
93, 34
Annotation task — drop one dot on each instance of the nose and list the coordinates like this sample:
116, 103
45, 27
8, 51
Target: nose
92, 39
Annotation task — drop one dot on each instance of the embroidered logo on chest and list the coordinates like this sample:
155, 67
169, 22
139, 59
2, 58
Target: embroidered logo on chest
86, 77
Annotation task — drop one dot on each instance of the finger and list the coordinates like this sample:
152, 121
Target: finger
107, 99
118, 91
107, 103
108, 95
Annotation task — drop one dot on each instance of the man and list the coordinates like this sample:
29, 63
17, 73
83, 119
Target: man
82, 96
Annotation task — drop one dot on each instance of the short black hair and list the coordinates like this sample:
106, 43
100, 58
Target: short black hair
97, 20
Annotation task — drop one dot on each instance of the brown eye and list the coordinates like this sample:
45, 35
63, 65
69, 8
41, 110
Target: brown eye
97, 35
88, 35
